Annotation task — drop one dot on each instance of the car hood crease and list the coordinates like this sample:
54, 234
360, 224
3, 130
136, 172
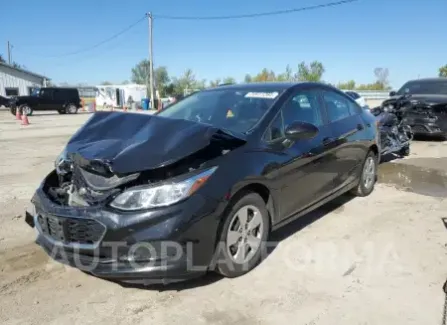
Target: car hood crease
130, 142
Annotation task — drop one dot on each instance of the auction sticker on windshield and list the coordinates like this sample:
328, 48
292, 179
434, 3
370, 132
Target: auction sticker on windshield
271, 95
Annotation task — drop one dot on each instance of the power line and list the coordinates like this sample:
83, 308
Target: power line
102, 42
270, 13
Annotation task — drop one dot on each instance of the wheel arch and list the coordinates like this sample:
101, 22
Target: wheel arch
263, 191
374, 148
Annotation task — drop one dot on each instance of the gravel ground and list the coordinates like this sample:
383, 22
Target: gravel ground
375, 260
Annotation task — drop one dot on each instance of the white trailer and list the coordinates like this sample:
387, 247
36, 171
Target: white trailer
119, 95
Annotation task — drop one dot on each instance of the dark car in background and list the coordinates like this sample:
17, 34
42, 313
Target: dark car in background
200, 185
4, 101
359, 99
62, 100
427, 114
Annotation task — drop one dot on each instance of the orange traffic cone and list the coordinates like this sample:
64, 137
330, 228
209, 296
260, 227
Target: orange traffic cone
25, 119
18, 117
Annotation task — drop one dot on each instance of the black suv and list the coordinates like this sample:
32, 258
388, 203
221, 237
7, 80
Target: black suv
63, 100
4, 101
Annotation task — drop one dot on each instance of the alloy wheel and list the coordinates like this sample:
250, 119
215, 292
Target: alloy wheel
369, 172
243, 238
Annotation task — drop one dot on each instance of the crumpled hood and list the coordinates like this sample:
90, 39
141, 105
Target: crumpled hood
427, 98
131, 142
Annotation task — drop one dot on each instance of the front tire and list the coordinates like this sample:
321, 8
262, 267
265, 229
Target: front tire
368, 176
244, 232
25, 110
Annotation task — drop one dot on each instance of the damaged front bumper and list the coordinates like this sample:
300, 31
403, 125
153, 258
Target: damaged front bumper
164, 245
426, 126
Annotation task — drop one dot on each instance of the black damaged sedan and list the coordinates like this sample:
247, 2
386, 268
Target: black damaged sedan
140, 198
427, 109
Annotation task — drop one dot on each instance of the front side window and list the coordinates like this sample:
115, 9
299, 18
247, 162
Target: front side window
276, 129
46, 93
233, 109
338, 107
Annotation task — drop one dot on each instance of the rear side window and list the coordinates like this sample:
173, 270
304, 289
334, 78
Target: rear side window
338, 107
353, 95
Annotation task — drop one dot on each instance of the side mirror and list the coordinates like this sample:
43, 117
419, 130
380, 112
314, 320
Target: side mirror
393, 93
301, 130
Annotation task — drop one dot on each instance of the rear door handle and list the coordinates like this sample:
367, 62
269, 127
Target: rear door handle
360, 127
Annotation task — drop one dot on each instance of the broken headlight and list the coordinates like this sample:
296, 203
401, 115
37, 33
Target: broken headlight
62, 163
161, 195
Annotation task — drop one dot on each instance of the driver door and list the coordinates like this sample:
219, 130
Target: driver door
45, 100
306, 174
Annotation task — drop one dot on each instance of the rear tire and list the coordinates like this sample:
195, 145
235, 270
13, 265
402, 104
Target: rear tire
368, 176
245, 230
71, 109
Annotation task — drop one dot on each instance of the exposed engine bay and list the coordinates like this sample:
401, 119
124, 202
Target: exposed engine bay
74, 184
425, 115
95, 167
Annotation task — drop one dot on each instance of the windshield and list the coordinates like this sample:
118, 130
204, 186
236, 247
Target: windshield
437, 87
236, 110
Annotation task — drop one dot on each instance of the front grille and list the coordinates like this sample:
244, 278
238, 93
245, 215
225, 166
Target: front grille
71, 230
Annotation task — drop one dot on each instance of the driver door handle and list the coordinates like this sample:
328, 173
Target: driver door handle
360, 127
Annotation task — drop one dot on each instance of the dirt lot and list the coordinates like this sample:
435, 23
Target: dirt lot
375, 260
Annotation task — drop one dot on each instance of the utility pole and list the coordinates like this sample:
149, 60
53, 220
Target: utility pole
9, 52
151, 60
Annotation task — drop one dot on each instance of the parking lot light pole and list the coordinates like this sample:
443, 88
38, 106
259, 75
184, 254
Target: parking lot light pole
151, 60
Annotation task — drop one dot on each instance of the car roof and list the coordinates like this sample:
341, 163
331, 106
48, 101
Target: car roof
266, 86
64, 88
422, 80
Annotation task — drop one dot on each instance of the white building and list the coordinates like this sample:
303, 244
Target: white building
18, 81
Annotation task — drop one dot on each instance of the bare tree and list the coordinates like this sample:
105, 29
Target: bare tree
382, 76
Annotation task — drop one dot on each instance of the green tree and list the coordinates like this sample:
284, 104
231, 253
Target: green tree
248, 78
349, 85
140, 73
125, 82
287, 75
16, 65
265, 75
443, 71
313, 72
186, 82
229, 80
215, 83
2, 59
162, 80
106, 83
